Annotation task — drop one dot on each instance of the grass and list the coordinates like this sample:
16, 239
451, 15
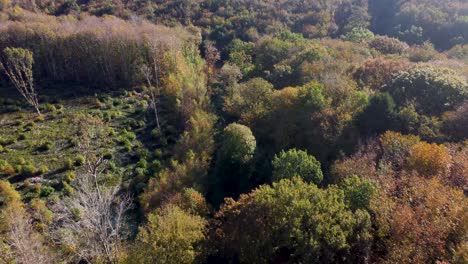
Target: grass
50, 141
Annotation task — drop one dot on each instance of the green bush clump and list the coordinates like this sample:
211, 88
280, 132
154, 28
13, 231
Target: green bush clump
128, 135
46, 191
156, 165
50, 108
140, 172
28, 170
108, 155
142, 163
21, 136
6, 168
69, 176
45, 146
79, 160
21, 161
68, 164
67, 189
42, 169
156, 133
1, 148
6, 141
111, 166
128, 145
73, 142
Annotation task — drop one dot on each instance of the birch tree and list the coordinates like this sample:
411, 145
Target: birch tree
18, 66
152, 74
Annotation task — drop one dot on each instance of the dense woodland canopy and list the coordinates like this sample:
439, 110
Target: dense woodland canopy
233, 131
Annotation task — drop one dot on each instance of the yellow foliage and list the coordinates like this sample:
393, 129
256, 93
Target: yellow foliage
429, 159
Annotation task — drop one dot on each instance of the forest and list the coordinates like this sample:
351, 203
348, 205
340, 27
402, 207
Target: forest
233, 131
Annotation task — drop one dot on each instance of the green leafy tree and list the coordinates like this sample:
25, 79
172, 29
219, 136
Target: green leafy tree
434, 90
358, 192
249, 101
290, 222
294, 162
234, 163
378, 116
238, 143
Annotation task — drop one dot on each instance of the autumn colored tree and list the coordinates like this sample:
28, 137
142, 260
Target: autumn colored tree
429, 159
19, 241
170, 236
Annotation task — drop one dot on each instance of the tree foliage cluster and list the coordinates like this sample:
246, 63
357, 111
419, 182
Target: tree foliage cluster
254, 132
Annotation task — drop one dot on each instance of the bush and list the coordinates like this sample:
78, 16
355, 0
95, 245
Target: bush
50, 108
423, 53
5, 141
46, 191
28, 170
68, 164
359, 35
79, 160
1, 148
6, 168
21, 136
45, 146
108, 156
21, 161
67, 189
43, 169
69, 176
387, 45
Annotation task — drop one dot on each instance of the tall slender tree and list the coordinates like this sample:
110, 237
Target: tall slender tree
18, 66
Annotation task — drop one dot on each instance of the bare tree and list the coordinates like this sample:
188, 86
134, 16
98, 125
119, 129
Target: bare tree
149, 75
92, 218
19, 241
26, 245
18, 65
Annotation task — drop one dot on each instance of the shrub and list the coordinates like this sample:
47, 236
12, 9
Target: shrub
50, 108
387, 45
108, 156
68, 164
46, 191
156, 133
43, 169
6, 168
423, 53
1, 148
21, 136
69, 176
79, 160
67, 189
21, 161
45, 146
28, 170
359, 35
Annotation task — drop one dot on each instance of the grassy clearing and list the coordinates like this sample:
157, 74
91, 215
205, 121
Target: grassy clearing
43, 149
